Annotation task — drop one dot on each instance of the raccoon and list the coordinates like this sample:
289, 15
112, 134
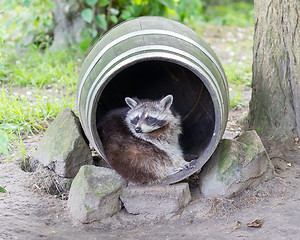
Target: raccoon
142, 142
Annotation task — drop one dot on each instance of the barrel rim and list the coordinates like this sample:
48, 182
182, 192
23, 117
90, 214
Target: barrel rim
139, 52
125, 37
211, 146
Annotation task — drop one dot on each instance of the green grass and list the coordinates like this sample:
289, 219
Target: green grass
30, 114
27, 115
38, 68
238, 67
236, 99
234, 14
35, 84
4, 140
239, 76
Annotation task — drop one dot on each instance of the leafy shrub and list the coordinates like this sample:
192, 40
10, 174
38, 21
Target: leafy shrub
28, 21
31, 21
103, 14
189, 11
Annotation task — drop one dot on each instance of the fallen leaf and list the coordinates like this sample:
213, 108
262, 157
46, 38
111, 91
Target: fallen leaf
2, 190
256, 223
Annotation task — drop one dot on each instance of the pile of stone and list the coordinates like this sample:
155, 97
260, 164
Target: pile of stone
98, 192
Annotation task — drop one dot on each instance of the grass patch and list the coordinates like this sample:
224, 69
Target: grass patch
239, 77
233, 14
35, 84
239, 74
233, 45
4, 140
236, 100
30, 113
38, 68
23, 115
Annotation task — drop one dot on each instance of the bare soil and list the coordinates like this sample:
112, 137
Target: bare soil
270, 211
28, 212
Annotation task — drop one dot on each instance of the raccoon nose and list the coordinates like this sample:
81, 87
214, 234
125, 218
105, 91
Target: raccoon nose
138, 129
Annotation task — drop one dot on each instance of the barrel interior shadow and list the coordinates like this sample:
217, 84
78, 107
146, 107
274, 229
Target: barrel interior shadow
156, 78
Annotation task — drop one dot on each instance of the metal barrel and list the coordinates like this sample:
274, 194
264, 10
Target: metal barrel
148, 58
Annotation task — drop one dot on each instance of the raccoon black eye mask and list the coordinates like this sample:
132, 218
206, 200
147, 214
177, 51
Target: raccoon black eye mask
154, 121
148, 120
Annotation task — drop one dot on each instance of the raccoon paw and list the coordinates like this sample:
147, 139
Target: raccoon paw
176, 170
192, 164
184, 166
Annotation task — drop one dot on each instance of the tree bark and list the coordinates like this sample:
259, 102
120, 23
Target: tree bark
68, 23
275, 104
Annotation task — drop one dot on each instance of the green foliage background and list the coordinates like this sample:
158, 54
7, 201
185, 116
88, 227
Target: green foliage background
36, 83
31, 21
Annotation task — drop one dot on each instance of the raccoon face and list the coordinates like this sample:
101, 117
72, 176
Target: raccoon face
148, 116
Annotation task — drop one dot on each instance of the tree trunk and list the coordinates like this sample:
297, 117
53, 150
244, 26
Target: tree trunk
68, 23
275, 104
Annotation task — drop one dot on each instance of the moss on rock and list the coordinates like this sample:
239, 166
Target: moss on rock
94, 194
235, 166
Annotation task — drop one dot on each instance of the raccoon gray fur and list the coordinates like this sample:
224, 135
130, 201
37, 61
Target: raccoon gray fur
141, 143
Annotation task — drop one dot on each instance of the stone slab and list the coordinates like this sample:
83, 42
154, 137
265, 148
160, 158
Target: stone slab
95, 194
156, 200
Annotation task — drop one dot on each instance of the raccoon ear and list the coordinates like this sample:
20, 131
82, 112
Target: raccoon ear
167, 101
131, 102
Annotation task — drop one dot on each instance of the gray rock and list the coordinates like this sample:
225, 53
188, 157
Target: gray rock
157, 200
235, 166
95, 193
63, 148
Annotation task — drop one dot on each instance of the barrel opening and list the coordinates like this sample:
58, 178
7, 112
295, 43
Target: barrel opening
153, 79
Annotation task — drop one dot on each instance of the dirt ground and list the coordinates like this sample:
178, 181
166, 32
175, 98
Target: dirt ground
27, 212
